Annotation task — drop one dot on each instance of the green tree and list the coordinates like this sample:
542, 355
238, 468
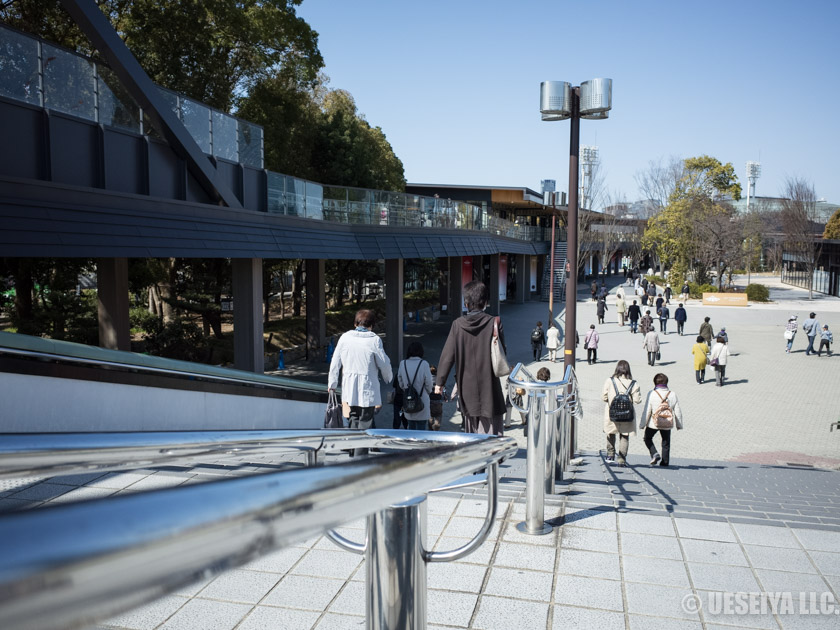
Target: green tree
210, 50
349, 152
832, 228
694, 231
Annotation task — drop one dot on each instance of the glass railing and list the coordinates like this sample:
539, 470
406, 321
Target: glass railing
41, 74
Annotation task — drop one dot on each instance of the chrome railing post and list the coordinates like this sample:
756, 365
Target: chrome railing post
534, 522
396, 570
552, 434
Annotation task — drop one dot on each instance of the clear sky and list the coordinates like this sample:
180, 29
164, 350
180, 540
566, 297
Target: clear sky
454, 84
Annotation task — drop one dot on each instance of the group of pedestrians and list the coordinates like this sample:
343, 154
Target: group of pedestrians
661, 414
812, 329
359, 361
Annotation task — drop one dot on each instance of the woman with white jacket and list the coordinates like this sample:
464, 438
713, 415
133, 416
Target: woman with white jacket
360, 358
552, 341
653, 420
719, 357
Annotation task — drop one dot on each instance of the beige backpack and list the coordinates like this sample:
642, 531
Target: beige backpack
663, 415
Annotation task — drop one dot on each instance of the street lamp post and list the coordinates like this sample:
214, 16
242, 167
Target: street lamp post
558, 101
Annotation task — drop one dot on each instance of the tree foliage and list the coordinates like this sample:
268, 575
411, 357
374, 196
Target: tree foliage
212, 50
832, 227
698, 230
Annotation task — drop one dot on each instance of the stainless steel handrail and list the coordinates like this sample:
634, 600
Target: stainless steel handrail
69, 565
548, 438
53, 454
134, 367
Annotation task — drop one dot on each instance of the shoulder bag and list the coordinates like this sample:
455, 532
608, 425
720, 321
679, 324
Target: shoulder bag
333, 418
497, 354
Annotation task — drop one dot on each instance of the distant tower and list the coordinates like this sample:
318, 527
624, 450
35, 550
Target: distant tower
588, 159
753, 173
548, 188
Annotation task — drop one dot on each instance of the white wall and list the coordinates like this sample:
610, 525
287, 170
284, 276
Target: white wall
46, 404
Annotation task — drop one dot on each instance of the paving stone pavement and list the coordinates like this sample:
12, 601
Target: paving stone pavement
635, 547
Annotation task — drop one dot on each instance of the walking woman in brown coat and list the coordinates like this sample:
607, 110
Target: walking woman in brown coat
468, 350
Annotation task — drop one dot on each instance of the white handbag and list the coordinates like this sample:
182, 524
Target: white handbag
497, 354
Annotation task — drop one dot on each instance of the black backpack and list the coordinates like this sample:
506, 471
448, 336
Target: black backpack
621, 407
412, 401
536, 335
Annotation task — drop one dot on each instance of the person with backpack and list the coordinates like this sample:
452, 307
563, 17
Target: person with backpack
590, 342
718, 359
414, 377
662, 413
664, 314
680, 316
552, 341
537, 341
620, 393
811, 327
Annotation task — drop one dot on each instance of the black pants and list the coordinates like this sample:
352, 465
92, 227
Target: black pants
824, 343
361, 418
720, 374
666, 443
651, 358
591, 355
680, 326
537, 348
700, 375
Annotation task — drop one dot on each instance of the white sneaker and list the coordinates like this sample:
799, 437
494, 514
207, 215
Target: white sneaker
655, 459
611, 459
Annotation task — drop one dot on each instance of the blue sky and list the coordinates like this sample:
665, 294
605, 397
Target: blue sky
455, 84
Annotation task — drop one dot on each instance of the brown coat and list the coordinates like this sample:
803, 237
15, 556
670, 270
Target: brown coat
467, 348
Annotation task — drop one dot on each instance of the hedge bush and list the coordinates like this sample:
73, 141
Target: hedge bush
758, 293
697, 290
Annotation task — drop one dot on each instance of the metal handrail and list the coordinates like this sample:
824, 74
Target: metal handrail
69, 565
53, 454
134, 367
547, 435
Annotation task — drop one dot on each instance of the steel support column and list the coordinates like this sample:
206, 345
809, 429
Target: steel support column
394, 310
494, 302
247, 315
523, 277
316, 311
112, 303
456, 287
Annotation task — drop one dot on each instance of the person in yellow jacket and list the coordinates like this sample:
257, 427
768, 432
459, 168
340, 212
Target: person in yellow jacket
700, 350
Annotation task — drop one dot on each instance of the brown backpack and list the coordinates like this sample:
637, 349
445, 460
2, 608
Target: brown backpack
663, 415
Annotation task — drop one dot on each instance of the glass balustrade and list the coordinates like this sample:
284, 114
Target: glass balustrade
38, 73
